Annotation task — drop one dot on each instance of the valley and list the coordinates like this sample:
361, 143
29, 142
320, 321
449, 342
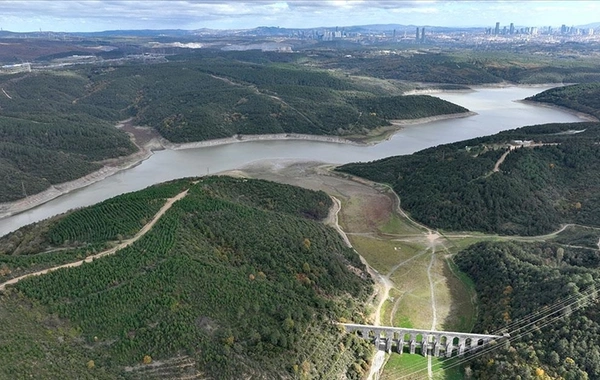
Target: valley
248, 203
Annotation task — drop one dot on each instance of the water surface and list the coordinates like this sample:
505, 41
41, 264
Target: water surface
496, 108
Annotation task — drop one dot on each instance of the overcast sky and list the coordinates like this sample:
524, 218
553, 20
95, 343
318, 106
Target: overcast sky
97, 15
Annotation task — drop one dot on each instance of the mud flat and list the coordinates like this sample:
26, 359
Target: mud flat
244, 138
430, 119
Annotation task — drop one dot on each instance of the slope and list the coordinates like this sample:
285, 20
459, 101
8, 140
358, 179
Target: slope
548, 178
236, 279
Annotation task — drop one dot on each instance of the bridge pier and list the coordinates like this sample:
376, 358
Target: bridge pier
388, 345
435, 343
400, 347
449, 350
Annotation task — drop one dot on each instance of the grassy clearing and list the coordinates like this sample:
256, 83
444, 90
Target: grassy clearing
395, 246
402, 365
383, 255
351, 216
397, 224
413, 367
454, 297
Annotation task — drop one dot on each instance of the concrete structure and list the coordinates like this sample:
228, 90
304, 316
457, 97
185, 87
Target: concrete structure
428, 342
18, 68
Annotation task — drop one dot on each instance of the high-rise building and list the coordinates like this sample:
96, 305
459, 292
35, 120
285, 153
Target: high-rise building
497, 29
422, 34
417, 35
512, 28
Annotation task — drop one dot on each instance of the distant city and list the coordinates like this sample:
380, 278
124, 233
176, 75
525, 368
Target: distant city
374, 34
534, 30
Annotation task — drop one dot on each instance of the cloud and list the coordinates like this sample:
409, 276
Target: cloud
189, 14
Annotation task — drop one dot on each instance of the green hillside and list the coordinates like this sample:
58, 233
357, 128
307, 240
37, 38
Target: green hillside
455, 187
543, 295
238, 278
579, 97
58, 125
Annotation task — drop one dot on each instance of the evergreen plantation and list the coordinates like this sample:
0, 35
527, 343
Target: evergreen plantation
239, 278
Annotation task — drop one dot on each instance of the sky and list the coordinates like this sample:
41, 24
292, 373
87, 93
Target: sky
98, 15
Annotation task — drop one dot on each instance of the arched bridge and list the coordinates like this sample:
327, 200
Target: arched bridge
427, 342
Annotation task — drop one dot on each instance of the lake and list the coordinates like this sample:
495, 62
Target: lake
496, 108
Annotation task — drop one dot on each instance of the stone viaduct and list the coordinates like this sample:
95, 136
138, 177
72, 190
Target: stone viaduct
427, 342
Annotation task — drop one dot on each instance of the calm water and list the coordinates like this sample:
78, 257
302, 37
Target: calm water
496, 110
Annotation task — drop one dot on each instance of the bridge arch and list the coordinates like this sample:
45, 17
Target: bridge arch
425, 342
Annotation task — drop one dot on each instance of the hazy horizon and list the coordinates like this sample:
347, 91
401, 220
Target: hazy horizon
102, 15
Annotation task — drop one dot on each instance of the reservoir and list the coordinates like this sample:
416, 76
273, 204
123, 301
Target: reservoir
496, 110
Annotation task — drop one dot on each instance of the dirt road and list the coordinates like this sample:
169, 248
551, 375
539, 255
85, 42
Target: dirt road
108, 252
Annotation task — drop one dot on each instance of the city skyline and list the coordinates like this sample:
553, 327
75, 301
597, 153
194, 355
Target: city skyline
98, 15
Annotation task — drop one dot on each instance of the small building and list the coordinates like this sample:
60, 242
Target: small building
18, 68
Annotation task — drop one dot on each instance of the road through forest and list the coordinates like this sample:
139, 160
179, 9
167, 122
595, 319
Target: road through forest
111, 251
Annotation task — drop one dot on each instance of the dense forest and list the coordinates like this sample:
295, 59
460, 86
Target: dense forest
467, 66
535, 189
544, 296
580, 97
239, 278
58, 125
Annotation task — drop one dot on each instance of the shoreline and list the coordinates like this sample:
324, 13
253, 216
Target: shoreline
582, 115
16, 207
248, 138
116, 165
474, 87
429, 119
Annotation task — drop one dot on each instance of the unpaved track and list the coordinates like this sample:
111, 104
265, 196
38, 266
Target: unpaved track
383, 281
108, 252
500, 161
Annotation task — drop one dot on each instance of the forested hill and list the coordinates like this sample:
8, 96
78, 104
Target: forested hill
535, 189
543, 295
580, 97
238, 279
56, 126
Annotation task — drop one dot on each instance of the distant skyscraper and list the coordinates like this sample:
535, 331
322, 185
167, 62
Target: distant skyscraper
497, 29
512, 28
563, 29
417, 35
422, 34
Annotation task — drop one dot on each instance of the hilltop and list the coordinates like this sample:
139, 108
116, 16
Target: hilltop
237, 278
